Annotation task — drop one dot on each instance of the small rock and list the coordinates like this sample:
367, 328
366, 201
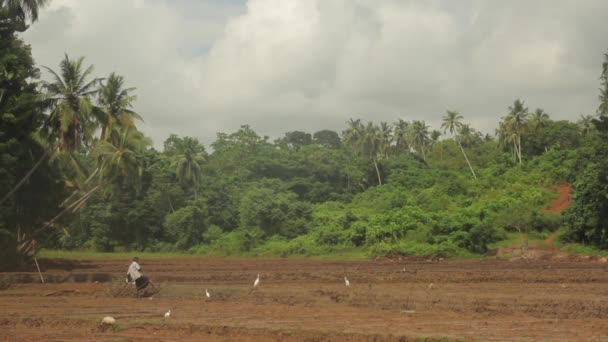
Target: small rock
108, 320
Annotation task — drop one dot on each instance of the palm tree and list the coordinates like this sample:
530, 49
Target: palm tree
14, 15
452, 123
401, 135
386, 131
187, 162
371, 145
119, 158
23, 9
114, 103
516, 121
539, 119
507, 137
603, 107
353, 133
70, 121
585, 124
419, 137
119, 162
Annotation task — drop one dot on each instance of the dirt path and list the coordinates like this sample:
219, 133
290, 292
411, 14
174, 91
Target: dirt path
558, 205
491, 300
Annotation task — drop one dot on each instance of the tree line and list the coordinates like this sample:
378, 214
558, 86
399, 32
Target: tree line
75, 172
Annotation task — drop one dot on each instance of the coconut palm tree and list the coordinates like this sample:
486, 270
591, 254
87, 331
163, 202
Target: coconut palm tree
23, 9
353, 133
516, 121
386, 131
14, 15
585, 124
120, 157
119, 162
401, 135
70, 122
114, 106
189, 156
419, 137
539, 120
603, 107
452, 123
370, 145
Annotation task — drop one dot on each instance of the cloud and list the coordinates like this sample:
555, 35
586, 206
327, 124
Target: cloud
207, 66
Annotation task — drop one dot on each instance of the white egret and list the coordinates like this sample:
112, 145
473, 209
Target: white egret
168, 314
431, 286
346, 282
207, 294
257, 281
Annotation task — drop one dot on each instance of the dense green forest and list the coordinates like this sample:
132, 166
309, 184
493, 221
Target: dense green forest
76, 173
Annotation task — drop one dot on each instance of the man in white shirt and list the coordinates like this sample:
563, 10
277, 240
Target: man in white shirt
134, 275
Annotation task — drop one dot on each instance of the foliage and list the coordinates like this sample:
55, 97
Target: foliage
76, 173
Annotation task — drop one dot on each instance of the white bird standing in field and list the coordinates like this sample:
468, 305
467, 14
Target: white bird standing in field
168, 314
346, 282
207, 293
257, 281
431, 286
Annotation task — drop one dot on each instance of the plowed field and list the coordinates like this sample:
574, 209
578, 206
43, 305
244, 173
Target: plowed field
389, 300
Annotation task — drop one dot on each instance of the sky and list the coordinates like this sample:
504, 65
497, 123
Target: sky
207, 66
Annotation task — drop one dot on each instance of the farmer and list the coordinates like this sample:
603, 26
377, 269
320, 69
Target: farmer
134, 275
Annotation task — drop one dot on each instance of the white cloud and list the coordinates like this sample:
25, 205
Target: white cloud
207, 66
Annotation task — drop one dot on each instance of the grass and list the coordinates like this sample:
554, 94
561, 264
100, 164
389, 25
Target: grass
86, 254
582, 249
337, 254
514, 240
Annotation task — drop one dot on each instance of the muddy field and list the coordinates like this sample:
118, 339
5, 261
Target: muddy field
389, 300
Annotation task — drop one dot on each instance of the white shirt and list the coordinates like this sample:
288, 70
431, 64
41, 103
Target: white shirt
134, 271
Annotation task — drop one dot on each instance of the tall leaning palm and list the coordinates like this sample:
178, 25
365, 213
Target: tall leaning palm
119, 163
452, 123
69, 123
115, 104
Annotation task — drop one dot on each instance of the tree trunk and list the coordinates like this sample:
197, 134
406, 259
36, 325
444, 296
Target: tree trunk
377, 172
519, 148
467, 159
76, 204
26, 177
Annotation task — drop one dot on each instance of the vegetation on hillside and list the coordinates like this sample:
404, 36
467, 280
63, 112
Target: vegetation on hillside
76, 173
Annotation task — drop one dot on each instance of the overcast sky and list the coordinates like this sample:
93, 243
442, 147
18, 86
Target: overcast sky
207, 66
